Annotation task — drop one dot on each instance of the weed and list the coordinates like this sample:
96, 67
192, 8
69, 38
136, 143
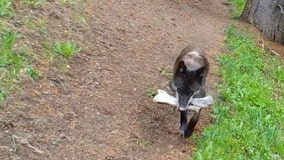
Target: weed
39, 24
165, 73
151, 92
66, 49
33, 73
249, 116
7, 57
33, 3
143, 143
35, 24
68, 3
11, 62
2, 96
5, 8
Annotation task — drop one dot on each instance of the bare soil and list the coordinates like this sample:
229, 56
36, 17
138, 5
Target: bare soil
97, 108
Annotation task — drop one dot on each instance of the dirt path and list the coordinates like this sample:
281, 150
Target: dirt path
99, 108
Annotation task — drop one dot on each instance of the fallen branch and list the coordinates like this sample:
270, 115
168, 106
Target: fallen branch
272, 52
14, 144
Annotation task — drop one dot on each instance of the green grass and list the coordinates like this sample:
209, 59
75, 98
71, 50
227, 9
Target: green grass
16, 58
143, 143
13, 59
68, 3
34, 24
5, 8
11, 62
66, 49
151, 92
237, 7
33, 3
249, 117
33, 73
163, 72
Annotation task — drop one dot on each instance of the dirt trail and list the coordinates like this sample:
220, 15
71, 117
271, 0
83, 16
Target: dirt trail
99, 109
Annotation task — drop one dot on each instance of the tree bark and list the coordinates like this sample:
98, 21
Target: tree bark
267, 16
246, 11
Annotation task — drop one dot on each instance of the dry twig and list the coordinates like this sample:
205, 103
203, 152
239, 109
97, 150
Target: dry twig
26, 142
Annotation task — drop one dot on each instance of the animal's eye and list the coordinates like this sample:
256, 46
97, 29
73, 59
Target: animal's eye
179, 88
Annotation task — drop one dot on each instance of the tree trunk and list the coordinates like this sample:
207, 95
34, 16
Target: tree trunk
267, 16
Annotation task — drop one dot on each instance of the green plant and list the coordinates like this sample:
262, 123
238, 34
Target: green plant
39, 24
143, 143
237, 7
34, 3
5, 8
2, 96
151, 92
25, 19
33, 73
165, 73
11, 62
68, 3
36, 24
249, 116
9, 59
66, 49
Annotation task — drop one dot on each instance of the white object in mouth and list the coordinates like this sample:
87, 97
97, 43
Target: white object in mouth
195, 103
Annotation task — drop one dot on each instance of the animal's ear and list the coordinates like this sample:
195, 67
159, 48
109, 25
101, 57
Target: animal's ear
181, 68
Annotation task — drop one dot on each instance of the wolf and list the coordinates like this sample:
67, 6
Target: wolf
188, 81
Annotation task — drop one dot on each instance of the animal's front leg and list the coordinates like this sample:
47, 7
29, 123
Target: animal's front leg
183, 123
191, 124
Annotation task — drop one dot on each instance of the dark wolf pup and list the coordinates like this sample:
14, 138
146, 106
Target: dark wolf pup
190, 71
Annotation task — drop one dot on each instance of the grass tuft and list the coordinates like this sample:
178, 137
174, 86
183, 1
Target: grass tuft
163, 72
33, 73
33, 3
151, 92
66, 49
237, 7
11, 62
5, 8
249, 116
15, 59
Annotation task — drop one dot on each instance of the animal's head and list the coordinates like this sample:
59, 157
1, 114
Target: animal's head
189, 78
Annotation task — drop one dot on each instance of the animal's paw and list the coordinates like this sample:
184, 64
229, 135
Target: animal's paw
182, 133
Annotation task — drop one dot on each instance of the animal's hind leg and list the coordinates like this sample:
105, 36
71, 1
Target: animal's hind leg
191, 125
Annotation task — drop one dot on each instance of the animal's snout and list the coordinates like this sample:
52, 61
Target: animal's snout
181, 108
184, 101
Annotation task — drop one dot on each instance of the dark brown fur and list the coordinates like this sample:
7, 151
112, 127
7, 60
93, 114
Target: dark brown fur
188, 81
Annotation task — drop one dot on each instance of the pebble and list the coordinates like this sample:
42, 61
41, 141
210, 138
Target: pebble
62, 136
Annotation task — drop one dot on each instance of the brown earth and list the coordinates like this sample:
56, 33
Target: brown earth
97, 107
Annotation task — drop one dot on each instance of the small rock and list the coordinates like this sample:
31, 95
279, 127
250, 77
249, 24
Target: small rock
109, 157
62, 136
